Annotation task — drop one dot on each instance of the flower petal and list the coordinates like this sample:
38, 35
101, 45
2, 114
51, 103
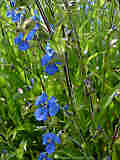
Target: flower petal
41, 114
23, 46
51, 69
41, 99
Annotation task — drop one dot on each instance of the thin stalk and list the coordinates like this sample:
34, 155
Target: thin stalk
43, 16
91, 110
115, 136
66, 70
43, 87
41, 82
67, 81
70, 90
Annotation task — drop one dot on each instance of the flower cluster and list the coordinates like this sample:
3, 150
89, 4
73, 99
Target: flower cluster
23, 44
14, 13
43, 156
50, 69
49, 139
47, 107
45, 110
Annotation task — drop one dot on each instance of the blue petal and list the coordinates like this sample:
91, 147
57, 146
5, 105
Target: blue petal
7, 6
50, 148
16, 18
35, 12
24, 46
18, 39
53, 108
52, 100
51, 69
34, 18
49, 138
10, 13
41, 114
35, 15
43, 156
59, 63
48, 159
51, 52
45, 59
41, 99
66, 107
36, 26
31, 34
57, 139
47, 47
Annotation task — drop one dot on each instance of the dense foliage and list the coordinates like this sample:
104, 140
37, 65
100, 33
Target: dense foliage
59, 79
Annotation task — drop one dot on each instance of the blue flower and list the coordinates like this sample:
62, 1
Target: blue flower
51, 69
48, 56
53, 108
16, 17
23, 46
31, 34
49, 138
52, 99
45, 59
36, 26
43, 156
50, 148
10, 13
18, 39
66, 107
41, 114
49, 50
41, 99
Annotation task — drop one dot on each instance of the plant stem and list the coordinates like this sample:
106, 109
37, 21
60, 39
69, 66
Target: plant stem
43, 16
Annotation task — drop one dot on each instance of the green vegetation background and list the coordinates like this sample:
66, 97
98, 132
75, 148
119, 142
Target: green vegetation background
92, 47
